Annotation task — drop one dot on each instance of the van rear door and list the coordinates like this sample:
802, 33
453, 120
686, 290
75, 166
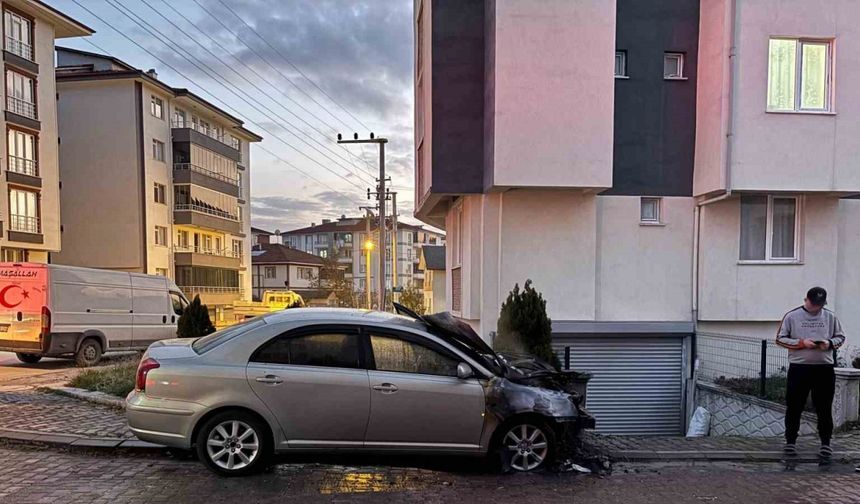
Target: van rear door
23, 299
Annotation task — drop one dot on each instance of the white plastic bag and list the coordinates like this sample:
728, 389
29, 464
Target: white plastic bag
700, 424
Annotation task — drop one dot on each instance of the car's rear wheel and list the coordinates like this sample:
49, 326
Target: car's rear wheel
89, 353
527, 445
233, 443
28, 358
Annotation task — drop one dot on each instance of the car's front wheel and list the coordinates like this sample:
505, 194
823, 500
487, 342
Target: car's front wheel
233, 443
527, 445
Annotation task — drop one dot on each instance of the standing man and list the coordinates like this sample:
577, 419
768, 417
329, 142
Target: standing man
811, 333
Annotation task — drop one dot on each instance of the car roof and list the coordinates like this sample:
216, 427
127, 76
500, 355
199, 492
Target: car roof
341, 316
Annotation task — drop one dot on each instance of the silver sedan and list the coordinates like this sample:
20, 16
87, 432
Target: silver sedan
339, 379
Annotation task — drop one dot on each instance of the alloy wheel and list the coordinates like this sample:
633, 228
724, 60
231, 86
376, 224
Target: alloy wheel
232, 445
528, 446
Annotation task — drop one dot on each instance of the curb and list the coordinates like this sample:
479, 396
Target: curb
86, 395
722, 456
77, 441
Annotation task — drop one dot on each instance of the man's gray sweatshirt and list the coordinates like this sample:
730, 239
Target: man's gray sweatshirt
799, 324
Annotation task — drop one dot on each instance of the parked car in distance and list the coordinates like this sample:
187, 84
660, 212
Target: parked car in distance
66, 311
323, 379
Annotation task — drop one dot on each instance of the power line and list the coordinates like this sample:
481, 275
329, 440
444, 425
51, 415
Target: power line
279, 53
251, 69
217, 75
213, 97
213, 75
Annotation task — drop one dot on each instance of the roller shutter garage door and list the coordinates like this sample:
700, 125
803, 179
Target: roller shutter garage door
637, 384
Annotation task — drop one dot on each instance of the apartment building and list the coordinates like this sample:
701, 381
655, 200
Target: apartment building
278, 267
30, 192
421, 237
698, 183
155, 179
346, 239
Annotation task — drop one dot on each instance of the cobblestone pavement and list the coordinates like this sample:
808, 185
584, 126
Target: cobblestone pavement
30, 410
849, 441
30, 475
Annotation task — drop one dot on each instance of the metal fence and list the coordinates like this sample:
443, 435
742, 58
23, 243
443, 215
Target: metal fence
729, 356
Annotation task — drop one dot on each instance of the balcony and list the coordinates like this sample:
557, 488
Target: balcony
24, 228
21, 112
18, 48
202, 215
186, 131
23, 171
212, 295
200, 256
187, 173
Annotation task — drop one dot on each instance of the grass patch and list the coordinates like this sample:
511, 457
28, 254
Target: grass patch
115, 379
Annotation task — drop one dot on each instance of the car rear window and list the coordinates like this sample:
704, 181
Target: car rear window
206, 343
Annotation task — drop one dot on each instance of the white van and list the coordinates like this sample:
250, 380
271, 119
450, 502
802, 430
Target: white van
53, 310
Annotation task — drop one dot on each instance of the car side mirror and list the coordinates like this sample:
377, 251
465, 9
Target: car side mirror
464, 371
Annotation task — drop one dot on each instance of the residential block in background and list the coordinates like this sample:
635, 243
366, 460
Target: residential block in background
30, 187
661, 170
155, 179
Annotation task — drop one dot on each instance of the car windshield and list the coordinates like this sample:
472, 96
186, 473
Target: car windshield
206, 343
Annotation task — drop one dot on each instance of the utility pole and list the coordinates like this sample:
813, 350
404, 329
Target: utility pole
393, 244
367, 246
380, 197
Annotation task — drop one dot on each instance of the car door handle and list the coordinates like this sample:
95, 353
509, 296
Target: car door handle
386, 388
270, 379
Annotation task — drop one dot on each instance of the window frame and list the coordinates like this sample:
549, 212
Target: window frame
160, 236
267, 269
156, 104
158, 147
829, 81
659, 202
680, 57
160, 190
768, 249
623, 55
312, 330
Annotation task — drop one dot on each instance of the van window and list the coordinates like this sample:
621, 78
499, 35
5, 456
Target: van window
178, 303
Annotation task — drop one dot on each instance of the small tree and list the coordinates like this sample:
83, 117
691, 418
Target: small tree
194, 321
413, 298
331, 279
524, 325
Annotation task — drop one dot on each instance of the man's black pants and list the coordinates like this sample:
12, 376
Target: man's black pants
803, 379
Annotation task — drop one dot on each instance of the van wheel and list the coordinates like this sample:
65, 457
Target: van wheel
28, 358
89, 353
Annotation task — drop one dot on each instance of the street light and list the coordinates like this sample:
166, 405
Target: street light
368, 247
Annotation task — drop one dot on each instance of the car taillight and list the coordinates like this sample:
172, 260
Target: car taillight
143, 369
46, 321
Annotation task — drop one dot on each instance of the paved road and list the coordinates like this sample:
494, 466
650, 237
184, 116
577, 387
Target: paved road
31, 475
13, 369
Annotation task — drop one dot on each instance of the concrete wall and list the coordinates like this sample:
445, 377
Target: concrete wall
731, 291
847, 295
157, 214
777, 151
86, 154
554, 93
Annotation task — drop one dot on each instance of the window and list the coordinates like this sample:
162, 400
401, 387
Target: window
798, 75
306, 273
235, 143
157, 150
178, 303
673, 66
361, 284
179, 119
207, 243
20, 95
23, 211
18, 35
15, 255
161, 271
237, 248
393, 354
649, 210
160, 193
324, 253
161, 236
327, 350
769, 228
270, 272
22, 152
621, 63
156, 107
182, 239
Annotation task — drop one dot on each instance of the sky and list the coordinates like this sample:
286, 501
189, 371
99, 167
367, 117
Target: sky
297, 72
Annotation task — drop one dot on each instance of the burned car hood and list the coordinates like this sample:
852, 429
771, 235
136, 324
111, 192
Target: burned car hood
531, 371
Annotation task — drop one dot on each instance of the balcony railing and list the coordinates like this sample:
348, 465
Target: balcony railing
208, 251
24, 223
210, 289
21, 107
210, 132
23, 165
211, 211
209, 173
19, 48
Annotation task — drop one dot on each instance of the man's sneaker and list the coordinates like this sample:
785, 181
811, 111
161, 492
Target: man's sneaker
825, 455
789, 451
